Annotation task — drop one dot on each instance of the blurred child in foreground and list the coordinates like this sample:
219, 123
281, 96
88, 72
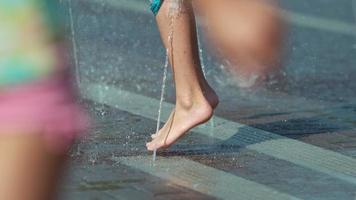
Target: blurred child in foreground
39, 119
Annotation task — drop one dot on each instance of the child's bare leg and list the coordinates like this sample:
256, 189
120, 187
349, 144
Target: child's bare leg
195, 99
28, 171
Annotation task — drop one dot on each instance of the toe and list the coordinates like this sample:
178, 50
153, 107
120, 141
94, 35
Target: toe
150, 146
154, 145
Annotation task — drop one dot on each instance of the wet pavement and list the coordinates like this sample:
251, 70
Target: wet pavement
296, 140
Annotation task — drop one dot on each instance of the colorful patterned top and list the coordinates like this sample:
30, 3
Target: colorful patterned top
29, 33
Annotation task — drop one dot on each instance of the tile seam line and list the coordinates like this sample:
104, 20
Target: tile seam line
337, 171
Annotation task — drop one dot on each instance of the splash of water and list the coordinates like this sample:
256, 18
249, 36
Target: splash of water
74, 44
212, 127
163, 89
175, 7
93, 157
201, 57
354, 8
202, 63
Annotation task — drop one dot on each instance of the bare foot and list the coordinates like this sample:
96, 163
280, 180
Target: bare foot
183, 118
211, 97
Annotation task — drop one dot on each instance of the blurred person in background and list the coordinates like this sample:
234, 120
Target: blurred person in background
246, 33
39, 119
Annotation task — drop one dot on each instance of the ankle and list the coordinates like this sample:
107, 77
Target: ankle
185, 102
191, 101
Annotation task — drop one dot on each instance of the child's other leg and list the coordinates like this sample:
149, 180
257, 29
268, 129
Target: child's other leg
28, 171
249, 33
195, 99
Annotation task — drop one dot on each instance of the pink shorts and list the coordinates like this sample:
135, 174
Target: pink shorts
47, 108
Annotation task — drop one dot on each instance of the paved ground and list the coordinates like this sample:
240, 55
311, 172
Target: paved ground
294, 142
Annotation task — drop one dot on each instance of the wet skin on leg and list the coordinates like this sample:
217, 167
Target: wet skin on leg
195, 99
